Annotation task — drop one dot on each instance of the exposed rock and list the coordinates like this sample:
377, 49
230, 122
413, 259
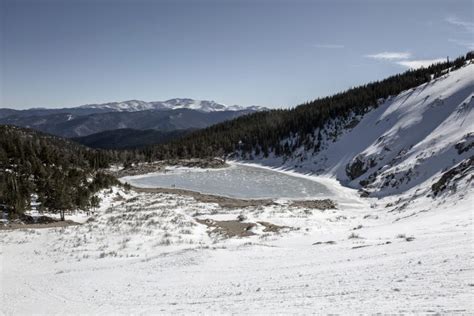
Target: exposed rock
466, 144
450, 177
363, 193
325, 204
356, 168
241, 218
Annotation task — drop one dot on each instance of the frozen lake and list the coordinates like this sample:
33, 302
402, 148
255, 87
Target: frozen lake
238, 181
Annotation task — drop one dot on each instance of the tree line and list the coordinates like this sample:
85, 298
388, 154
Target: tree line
59, 174
263, 133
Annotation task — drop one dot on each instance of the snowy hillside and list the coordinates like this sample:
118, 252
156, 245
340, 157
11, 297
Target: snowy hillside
172, 104
149, 253
410, 139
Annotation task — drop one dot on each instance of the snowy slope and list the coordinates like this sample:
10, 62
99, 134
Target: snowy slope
146, 254
407, 140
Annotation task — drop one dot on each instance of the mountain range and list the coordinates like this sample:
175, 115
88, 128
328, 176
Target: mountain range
164, 116
172, 104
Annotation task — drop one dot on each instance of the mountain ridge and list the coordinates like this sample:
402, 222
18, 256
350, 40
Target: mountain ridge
171, 104
131, 106
163, 116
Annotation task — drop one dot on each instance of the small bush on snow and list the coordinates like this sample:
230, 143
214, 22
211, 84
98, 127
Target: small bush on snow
354, 236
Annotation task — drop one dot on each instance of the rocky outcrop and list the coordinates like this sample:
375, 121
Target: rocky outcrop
453, 175
358, 166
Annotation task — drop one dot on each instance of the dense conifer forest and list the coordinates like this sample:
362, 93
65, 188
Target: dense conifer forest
59, 174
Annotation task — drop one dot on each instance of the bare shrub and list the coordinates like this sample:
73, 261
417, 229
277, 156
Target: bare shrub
354, 236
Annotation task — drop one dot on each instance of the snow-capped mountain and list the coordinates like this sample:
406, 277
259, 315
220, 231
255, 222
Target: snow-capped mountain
171, 104
169, 115
130, 106
165, 120
199, 105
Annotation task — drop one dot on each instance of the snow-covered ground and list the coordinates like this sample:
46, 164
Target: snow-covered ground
145, 253
405, 250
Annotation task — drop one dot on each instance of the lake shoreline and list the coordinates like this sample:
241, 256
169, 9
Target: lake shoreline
232, 203
159, 166
237, 181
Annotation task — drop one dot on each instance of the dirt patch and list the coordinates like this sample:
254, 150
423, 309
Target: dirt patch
325, 204
232, 228
236, 228
224, 202
272, 228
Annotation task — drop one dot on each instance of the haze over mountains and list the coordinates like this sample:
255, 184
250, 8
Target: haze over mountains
164, 116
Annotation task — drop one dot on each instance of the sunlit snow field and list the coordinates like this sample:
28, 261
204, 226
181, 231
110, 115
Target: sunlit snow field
406, 251
237, 181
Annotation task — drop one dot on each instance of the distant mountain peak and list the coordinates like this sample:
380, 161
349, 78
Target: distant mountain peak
171, 104
172, 114
124, 106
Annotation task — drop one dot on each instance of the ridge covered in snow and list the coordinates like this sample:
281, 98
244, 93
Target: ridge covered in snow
408, 140
171, 104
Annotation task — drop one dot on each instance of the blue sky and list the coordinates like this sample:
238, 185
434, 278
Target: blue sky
269, 53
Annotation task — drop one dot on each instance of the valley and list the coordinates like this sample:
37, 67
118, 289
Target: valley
334, 206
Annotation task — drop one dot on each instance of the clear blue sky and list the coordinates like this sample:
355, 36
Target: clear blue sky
269, 53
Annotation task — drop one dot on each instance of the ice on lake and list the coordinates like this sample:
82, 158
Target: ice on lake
237, 181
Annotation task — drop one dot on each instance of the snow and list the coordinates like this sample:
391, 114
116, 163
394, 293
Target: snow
401, 251
144, 253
